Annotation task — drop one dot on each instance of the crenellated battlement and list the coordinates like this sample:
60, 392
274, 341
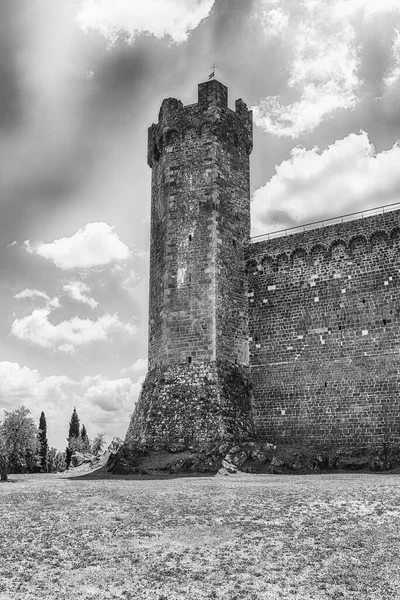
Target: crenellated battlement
339, 241
210, 115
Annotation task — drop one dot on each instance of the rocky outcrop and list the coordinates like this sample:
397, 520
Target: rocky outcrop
230, 457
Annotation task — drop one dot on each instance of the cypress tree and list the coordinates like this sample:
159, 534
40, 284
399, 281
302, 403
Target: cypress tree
42, 436
83, 433
68, 456
73, 425
85, 439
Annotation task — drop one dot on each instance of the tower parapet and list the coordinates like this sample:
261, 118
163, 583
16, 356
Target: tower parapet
197, 388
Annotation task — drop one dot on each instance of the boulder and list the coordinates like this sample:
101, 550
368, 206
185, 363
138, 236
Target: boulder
79, 459
319, 462
276, 466
175, 448
238, 458
259, 456
223, 471
230, 467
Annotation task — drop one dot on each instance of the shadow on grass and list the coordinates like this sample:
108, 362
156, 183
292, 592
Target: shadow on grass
102, 474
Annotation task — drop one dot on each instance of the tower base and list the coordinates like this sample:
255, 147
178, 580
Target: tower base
193, 404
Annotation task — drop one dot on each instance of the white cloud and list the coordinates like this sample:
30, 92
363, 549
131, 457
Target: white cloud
30, 294
111, 395
174, 18
139, 366
37, 329
323, 72
78, 290
20, 385
370, 7
393, 75
130, 281
275, 20
93, 245
346, 177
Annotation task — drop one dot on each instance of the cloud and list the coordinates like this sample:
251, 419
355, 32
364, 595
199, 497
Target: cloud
29, 293
393, 75
139, 366
20, 385
93, 245
274, 19
173, 18
37, 329
111, 395
346, 177
77, 290
130, 281
323, 72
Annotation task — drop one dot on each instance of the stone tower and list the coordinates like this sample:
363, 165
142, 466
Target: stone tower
197, 388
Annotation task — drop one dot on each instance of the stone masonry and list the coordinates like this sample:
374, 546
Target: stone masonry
197, 388
296, 339
324, 310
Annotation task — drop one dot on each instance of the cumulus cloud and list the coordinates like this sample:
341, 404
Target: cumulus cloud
130, 281
37, 329
323, 72
30, 294
111, 395
393, 75
274, 18
173, 18
78, 291
93, 245
346, 177
22, 385
139, 366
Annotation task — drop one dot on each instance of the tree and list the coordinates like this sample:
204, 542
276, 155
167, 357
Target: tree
73, 425
68, 456
18, 440
55, 461
44, 446
77, 445
98, 443
85, 440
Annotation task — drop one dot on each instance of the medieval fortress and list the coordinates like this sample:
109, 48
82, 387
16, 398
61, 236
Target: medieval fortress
294, 339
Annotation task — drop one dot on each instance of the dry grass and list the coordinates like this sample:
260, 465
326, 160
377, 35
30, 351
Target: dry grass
243, 537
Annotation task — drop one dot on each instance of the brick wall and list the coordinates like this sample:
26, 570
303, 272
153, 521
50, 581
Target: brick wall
324, 309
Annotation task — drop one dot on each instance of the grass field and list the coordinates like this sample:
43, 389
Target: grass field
240, 537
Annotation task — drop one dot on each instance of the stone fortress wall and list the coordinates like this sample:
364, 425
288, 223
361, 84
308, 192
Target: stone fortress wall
324, 316
296, 338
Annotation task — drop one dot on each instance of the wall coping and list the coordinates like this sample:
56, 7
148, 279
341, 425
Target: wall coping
369, 212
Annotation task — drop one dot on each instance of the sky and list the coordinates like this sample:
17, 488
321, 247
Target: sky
80, 83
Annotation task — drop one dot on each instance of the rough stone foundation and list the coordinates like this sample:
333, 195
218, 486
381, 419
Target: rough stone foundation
193, 404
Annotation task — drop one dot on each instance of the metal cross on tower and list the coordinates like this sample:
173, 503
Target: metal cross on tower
212, 74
